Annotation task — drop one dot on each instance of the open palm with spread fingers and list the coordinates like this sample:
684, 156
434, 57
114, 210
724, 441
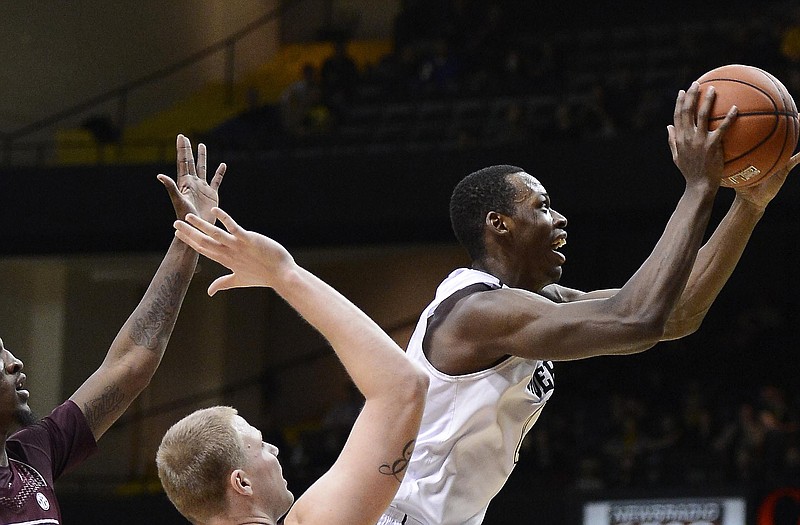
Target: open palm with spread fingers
191, 192
253, 258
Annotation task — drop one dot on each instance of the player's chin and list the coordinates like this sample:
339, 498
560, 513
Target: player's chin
24, 416
289, 501
554, 275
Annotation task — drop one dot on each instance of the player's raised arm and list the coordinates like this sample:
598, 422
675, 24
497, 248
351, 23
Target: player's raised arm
137, 349
719, 256
368, 472
523, 320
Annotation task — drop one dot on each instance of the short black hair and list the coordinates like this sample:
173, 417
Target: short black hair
477, 194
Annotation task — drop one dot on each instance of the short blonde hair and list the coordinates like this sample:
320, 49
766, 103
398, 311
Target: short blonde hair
195, 459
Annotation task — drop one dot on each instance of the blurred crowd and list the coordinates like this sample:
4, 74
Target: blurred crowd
593, 438
666, 438
597, 81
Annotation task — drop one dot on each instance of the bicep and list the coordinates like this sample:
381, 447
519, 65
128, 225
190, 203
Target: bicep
365, 478
520, 323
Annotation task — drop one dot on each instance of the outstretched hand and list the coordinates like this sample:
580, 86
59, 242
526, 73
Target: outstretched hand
762, 193
254, 259
191, 192
696, 151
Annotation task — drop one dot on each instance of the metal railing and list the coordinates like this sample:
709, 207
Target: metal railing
17, 150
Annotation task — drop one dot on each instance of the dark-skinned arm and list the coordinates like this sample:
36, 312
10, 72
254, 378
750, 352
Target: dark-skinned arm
716, 260
517, 322
718, 257
137, 349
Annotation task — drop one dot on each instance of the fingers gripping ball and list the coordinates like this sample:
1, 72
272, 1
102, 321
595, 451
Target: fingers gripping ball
765, 133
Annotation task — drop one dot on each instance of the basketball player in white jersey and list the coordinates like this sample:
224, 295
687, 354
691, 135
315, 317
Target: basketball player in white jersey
490, 337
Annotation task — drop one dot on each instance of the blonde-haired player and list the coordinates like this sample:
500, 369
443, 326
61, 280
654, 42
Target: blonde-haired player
214, 465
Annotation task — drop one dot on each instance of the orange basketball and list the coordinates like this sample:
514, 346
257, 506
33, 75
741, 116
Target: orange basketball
765, 133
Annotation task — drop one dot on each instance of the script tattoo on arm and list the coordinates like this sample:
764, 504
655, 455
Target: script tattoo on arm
396, 468
159, 318
107, 403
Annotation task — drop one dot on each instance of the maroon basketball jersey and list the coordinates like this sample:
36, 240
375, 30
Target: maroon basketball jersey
38, 455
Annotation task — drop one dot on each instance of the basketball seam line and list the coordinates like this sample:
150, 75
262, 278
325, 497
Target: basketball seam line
759, 113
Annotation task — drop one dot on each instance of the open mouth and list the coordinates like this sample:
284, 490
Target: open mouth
20, 387
556, 245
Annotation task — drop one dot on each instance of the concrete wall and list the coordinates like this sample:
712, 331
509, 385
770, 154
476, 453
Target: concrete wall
62, 54
59, 54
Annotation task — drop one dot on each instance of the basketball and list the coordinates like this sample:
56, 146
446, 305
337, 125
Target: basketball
765, 133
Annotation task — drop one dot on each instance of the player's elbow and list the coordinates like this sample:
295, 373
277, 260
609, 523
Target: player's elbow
641, 324
681, 325
646, 330
134, 376
679, 330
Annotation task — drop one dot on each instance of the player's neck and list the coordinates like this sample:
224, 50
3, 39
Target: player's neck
3, 454
244, 519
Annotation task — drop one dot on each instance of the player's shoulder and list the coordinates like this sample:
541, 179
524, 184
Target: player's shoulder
493, 307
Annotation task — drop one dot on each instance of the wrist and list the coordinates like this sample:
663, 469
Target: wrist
703, 190
748, 206
184, 250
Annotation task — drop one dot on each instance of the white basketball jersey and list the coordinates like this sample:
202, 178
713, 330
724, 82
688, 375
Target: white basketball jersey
472, 428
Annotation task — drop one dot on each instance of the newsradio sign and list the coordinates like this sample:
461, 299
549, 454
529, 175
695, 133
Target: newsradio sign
699, 511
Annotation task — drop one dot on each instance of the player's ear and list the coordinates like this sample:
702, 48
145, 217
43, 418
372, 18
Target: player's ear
497, 222
241, 483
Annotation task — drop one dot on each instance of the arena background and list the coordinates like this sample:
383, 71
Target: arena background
364, 205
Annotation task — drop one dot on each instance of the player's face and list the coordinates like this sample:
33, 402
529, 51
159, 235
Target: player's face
538, 234
13, 396
265, 469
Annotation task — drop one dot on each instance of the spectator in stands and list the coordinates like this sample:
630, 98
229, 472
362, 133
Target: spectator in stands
301, 108
439, 71
697, 436
543, 69
790, 38
339, 79
564, 127
594, 115
102, 129
514, 73
774, 448
394, 75
485, 50
790, 52
738, 443
509, 128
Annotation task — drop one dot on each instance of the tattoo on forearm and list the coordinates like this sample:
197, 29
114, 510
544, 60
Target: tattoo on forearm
399, 465
159, 318
107, 403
